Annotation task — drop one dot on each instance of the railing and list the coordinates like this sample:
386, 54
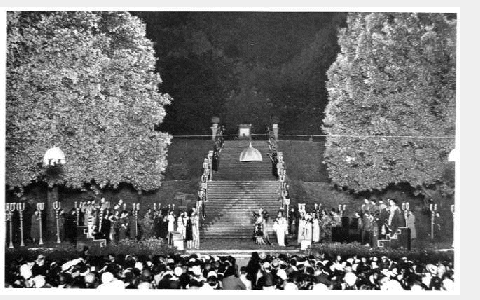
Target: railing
207, 175
278, 168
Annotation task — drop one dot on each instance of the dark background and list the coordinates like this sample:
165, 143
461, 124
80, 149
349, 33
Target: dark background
245, 67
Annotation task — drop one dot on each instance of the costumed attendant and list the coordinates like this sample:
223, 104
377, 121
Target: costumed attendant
280, 226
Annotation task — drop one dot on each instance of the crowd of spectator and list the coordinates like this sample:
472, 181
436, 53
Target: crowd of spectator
263, 272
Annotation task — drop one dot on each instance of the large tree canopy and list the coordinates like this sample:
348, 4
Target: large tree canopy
395, 76
85, 82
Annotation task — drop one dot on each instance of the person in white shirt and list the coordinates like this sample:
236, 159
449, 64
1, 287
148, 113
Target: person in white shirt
243, 278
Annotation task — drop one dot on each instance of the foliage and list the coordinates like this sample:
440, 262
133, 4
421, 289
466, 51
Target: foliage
151, 246
67, 251
426, 255
395, 76
83, 81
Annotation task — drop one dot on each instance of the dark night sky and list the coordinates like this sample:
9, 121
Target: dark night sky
244, 67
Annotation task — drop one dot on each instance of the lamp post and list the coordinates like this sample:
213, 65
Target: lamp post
433, 210
136, 209
53, 161
40, 207
77, 208
452, 209
21, 208
56, 208
8, 219
210, 163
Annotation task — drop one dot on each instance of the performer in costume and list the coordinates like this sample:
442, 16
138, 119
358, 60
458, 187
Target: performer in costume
195, 229
189, 233
106, 225
171, 226
114, 226
367, 228
132, 227
302, 223
258, 233
395, 218
147, 225
382, 220
181, 225
35, 226
123, 226
411, 224
316, 228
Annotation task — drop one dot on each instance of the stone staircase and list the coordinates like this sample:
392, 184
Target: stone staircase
232, 169
238, 189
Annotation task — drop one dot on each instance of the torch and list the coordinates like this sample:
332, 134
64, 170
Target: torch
40, 208
21, 208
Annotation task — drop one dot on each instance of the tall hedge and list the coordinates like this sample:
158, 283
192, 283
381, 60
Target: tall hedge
85, 82
391, 110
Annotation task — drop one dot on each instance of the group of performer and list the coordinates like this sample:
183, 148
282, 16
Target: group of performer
374, 221
117, 223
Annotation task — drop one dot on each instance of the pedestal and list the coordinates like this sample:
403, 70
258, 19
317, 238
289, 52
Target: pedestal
214, 131
50, 214
244, 131
275, 131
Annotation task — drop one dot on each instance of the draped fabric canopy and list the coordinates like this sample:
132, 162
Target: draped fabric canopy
250, 154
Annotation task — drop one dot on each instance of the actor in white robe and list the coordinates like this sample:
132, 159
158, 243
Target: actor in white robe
280, 227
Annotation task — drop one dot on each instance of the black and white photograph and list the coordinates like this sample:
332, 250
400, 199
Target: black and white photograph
231, 149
